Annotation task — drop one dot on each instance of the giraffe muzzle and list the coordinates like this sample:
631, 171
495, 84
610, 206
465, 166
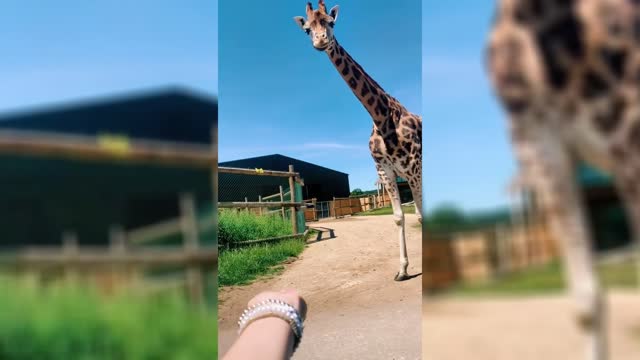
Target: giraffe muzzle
321, 46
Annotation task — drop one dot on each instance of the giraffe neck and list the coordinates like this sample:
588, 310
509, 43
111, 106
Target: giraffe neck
367, 90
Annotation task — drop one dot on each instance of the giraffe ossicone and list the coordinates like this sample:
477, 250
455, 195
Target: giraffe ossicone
396, 138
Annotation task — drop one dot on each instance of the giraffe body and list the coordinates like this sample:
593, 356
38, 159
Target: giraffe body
396, 138
568, 74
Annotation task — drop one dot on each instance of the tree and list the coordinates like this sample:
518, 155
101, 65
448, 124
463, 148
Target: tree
357, 192
446, 217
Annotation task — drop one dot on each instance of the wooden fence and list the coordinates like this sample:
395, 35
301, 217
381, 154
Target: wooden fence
294, 178
483, 255
340, 207
127, 257
346, 206
438, 263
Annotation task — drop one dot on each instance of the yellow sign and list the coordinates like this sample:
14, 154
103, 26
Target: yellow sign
115, 144
259, 171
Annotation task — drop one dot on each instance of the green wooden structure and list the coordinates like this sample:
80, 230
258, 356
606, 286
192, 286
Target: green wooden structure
606, 213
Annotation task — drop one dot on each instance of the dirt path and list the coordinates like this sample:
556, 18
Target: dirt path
529, 328
356, 310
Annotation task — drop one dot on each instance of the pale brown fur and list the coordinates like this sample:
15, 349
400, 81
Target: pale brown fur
568, 74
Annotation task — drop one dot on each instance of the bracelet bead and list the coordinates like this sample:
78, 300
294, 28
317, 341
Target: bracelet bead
273, 308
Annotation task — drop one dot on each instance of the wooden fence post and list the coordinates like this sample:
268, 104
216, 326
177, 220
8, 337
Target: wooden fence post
118, 245
282, 209
70, 249
294, 220
333, 206
117, 239
189, 226
314, 201
260, 200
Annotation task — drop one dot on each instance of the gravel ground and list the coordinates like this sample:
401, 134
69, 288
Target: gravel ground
522, 328
356, 309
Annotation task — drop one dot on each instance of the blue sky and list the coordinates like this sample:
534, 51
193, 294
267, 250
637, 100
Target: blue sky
279, 95
59, 51
467, 157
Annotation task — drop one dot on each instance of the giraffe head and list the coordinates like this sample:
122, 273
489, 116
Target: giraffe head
512, 58
319, 24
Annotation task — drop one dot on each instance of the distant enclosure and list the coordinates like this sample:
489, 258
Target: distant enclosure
117, 161
286, 202
481, 255
339, 207
112, 190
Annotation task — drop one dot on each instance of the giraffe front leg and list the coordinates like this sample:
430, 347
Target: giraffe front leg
388, 177
556, 183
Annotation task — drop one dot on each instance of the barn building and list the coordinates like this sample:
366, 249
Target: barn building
607, 216
44, 195
319, 182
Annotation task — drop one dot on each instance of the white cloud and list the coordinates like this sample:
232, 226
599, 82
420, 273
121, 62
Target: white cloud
319, 148
328, 146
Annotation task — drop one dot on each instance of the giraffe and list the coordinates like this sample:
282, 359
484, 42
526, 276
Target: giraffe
396, 138
567, 73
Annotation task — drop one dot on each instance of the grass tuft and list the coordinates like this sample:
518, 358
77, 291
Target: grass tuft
236, 226
546, 279
387, 211
72, 322
241, 266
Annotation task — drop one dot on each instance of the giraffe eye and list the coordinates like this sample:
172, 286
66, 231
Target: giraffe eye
307, 31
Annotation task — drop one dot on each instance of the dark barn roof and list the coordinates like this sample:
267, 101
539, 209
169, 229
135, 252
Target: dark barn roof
44, 196
171, 114
319, 182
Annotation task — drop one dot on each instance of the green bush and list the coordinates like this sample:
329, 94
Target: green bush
240, 266
236, 226
73, 322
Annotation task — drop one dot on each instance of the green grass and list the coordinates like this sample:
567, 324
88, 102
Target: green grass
234, 226
387, 211
243, 265
547, 279
72, 322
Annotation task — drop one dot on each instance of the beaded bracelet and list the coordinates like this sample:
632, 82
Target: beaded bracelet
274, 308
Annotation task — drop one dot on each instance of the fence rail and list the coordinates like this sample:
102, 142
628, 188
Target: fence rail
125, 254
106, 147
268, 240
254, 204
99, 256
258, 172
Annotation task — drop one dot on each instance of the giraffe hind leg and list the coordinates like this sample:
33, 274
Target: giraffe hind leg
388, 177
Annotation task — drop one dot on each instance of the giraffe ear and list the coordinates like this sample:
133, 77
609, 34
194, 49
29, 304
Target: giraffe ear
300, 21
334, 12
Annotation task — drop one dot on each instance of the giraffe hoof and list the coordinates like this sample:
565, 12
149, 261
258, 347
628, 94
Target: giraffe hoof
401, 277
